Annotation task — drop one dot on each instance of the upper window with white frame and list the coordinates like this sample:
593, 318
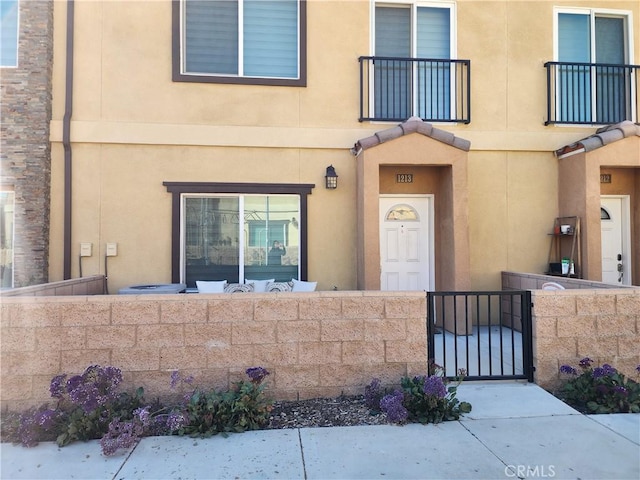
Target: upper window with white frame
240, 41
9, 33
594, 77
413, 71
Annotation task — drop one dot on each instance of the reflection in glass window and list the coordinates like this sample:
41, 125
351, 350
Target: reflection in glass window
239, 237
403, 212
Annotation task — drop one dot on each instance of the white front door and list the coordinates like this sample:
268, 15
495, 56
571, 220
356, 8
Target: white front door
405, 243
614, 221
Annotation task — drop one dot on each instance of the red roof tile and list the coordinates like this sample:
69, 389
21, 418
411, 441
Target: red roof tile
412, 125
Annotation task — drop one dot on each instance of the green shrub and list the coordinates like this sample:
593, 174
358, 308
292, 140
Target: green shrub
600, 389
242, 408
421, 399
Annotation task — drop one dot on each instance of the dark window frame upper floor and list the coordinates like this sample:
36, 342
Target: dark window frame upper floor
179, 75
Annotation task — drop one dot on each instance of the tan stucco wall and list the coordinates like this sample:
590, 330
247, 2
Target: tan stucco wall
512, 200
119, 197
133, 128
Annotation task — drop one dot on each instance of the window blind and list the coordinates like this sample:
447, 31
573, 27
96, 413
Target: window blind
609, 40
271, 38
574, 38
393, 32
211, 36
433, 27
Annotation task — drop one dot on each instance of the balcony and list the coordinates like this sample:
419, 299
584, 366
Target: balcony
395, 89
591, 93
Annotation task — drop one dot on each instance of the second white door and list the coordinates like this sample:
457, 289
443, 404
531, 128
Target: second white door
616, 261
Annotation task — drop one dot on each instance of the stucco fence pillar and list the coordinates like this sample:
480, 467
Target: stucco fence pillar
317, 344
569, 325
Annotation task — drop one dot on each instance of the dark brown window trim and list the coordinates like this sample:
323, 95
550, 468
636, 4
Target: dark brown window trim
178, 188
178, 76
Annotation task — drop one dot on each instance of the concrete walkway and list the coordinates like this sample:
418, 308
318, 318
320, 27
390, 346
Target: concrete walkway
516, 430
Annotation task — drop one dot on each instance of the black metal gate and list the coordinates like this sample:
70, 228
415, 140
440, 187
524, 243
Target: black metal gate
486, 334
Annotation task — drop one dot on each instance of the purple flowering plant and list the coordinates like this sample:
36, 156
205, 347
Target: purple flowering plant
393, 405
423, 398
89, 402
599, 389
373, 393
90, 406
85, 406
32, 426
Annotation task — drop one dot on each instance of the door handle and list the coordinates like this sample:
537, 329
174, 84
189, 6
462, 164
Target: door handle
620, 268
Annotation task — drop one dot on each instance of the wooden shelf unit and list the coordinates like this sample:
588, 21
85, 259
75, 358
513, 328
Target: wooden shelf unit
565, 245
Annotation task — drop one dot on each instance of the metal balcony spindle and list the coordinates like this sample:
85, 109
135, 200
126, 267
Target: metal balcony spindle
591, 93
404, 87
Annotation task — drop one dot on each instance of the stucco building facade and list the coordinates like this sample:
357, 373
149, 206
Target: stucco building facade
454, 129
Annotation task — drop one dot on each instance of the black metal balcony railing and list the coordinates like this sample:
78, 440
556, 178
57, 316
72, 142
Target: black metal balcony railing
591, 93
394, 89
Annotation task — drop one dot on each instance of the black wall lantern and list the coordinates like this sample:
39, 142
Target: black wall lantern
331, 178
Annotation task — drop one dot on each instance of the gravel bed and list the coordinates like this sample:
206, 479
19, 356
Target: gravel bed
324, 412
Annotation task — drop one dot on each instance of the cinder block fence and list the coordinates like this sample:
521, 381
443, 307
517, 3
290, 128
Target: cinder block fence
568, 325
317, 344
314, 344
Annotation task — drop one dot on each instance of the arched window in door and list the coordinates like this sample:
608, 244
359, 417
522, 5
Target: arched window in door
402, 212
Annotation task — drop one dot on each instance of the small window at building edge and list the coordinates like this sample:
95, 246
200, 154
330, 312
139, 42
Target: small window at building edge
604, 214
7, 201
9, 31
278, 60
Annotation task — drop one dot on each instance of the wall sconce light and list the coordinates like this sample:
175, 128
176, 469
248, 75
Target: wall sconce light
331, 178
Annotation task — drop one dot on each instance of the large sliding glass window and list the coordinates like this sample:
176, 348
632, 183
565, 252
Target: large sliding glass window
241, 39
422, 87
591, 88
240, 237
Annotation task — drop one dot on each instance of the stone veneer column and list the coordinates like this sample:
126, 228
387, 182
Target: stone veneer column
25, 158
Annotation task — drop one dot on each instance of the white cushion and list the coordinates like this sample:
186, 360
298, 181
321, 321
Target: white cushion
260, 285
211, 287
299, 286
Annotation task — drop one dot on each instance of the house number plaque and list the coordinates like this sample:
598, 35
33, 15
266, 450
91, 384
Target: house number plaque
404, 177
605, 178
